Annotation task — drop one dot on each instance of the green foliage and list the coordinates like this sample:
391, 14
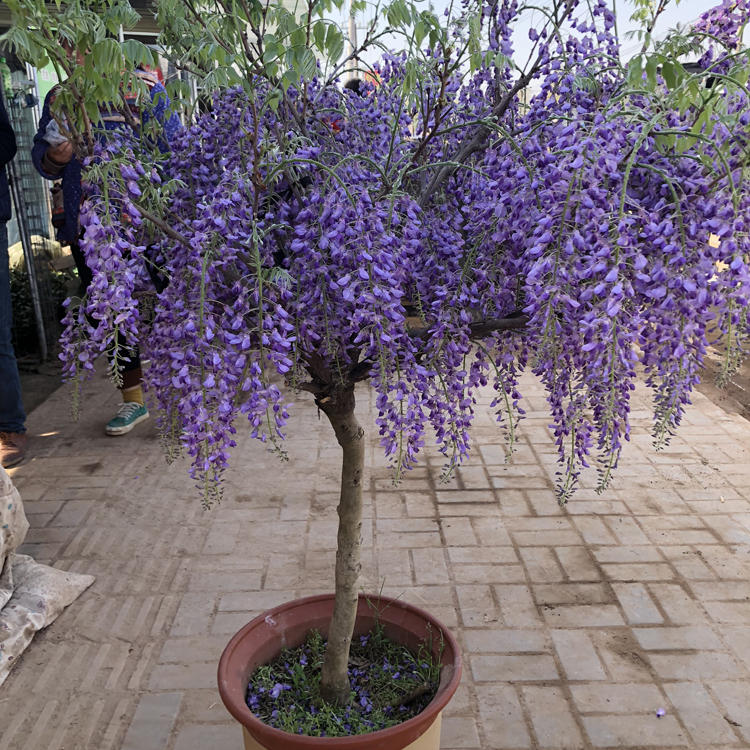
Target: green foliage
23, 332
385, 675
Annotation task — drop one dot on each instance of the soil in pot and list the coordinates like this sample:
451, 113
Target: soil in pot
390, 684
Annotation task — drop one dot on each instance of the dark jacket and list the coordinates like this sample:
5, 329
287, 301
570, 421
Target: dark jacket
70, 173
7, 152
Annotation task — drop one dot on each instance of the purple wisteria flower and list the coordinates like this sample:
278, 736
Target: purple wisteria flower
300, 254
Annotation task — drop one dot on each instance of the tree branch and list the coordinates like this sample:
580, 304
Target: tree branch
479, 139
481, 328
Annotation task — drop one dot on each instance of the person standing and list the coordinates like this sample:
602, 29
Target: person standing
54, 159
12, 415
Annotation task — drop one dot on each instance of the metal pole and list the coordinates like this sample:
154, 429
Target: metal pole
28, 253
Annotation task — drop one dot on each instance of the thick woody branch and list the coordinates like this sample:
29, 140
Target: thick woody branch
481, 328
321, 382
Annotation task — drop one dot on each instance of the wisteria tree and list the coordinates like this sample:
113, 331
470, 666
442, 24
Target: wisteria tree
462, 217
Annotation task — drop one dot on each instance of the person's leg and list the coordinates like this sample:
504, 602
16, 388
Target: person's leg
132, 410
12, 415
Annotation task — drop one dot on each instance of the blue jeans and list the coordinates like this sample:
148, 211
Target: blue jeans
12, 415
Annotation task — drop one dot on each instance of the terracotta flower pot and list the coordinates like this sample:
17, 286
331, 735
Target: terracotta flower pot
262, 639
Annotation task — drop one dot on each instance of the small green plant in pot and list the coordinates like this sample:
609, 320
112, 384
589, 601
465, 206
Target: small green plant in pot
457, 217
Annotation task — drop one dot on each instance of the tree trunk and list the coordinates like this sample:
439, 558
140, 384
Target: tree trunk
339, 408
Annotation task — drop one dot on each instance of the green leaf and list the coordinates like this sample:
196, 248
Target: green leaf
306, 63
665, 142
635, 71
298, 37
502, 61
669, 74
420, 31
137, 53
334, 42
106, 54
290, 78
319, 35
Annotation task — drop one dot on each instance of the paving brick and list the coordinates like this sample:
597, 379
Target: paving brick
738, 639
501, 717
617, 699
472, 477
459, 732
623, 657
419, 504
726, 563
594, 530
546, 538
578, 564
733, 698
513, 667
492, 532
517, 606
183, 676
459, 533
477, 605
228, 623
626, 530
682, 536
222, 539
488, 573
551, 718
202, 736
541, 564
512, 503
72, 513
638, 606
526, 482
429, 566
394, 566
504, 640
688, 564
234, 580
628, 554
722, 590
733, 612
192, 649
676, 604
634, 731
578, 506
638, 572
151, 727
577, 655
484, 495
483, 554
697, 666
583, 616
539, 523
701, 716
697, 637
573, 593
193, 615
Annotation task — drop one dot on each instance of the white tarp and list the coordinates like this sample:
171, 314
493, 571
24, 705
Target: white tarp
31, 595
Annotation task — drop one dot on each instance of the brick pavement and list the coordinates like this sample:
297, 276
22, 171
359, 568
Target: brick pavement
576, 624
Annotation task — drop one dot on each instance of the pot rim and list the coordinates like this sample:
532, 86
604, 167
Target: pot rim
265, 732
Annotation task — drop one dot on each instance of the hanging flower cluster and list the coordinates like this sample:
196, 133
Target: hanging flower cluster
338, 237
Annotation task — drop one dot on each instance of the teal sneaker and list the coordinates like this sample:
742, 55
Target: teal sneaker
128, 416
